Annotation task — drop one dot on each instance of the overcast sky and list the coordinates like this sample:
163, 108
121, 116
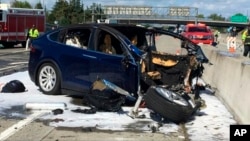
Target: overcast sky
226, 8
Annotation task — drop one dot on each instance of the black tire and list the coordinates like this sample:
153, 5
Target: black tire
168, 109
48, 79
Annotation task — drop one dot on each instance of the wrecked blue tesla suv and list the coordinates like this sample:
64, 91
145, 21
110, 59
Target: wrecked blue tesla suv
157, 67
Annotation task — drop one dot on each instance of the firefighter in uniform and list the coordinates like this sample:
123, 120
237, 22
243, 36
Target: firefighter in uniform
32, 34
246, 41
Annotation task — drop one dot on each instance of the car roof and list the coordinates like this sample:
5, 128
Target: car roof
122, 28
103, 25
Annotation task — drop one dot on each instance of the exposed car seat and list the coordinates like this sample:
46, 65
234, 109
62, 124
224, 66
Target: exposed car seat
73, 41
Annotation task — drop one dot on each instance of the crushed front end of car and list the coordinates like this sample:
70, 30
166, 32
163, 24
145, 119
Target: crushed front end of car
165, 90
165, 78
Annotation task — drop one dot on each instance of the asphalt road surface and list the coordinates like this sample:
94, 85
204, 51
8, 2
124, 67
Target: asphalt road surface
12, 60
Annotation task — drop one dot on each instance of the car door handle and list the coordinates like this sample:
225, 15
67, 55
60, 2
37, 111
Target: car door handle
89, 56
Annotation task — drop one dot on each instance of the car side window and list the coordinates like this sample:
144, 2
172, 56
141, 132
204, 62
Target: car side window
56, 36
77, 38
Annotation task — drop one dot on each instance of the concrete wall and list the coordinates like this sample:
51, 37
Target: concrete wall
232, 80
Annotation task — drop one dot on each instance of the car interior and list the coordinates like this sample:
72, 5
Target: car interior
77, 38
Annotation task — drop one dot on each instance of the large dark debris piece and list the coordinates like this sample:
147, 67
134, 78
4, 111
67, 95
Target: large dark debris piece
103, 97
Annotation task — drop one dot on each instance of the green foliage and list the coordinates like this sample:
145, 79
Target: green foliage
67, 12
20, 4
200, 16
216, 17
38, 6
73, 12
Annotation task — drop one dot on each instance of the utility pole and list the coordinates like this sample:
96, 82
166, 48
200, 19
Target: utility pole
196, 16
83, 14
93, 13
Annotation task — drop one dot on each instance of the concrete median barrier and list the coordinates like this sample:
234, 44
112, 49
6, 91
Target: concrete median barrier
231, 77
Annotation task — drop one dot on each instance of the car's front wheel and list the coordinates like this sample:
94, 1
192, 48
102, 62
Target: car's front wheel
168, 104
49, 79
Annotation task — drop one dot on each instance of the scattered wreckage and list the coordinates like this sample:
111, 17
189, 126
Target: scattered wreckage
162, 86
137, 73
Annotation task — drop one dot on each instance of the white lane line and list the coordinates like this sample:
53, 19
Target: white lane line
17, 63
5, 68
18, 126
21, 51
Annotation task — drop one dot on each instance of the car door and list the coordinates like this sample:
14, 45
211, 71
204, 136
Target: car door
119, 68
83, 66
75, 60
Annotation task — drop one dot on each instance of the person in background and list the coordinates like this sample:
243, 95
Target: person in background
177, 29
246, 41
216, 35
233, 32
229, 30
32, 34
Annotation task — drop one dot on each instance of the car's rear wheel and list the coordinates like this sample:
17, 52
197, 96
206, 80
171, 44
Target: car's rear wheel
49, 79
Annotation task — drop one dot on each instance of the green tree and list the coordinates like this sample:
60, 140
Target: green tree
75, 11
38, 6
200, 16
59, 12
50, 17
20, 4
216, 17
67, 12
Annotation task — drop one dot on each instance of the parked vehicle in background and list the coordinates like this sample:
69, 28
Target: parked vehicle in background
15, 23
171, 28
198, 33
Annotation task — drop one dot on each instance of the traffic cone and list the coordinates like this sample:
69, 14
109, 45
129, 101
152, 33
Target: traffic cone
231, 50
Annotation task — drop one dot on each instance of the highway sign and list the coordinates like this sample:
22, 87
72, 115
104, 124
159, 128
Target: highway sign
239, 19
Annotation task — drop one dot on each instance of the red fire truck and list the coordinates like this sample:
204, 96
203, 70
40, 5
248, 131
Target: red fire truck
15, 23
